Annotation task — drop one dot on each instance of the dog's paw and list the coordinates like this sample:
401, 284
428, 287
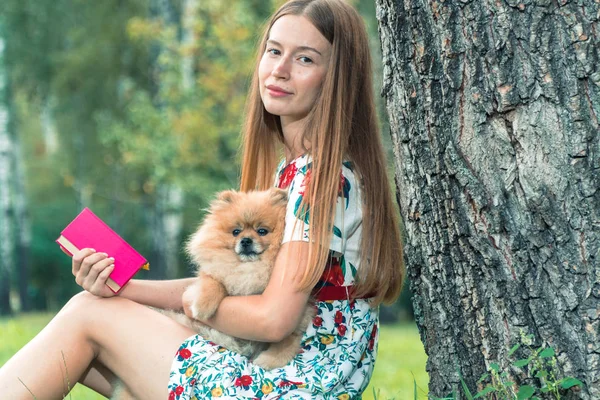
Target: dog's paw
201, 301
269, 360
203, 309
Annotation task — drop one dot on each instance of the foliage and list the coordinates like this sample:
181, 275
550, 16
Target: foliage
125, 124
137, 101
538, 371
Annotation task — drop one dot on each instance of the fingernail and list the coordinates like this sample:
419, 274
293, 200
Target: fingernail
111, 258
93, 250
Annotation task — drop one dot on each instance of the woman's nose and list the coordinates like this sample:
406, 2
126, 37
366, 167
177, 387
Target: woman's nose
281, 69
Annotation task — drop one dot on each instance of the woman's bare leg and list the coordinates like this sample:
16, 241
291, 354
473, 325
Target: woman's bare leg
134, 342
99, 378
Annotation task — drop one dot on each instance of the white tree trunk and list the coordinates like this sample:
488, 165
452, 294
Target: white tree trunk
167, 215
6, 204
171, 199
49, 128
190, 8
22, 225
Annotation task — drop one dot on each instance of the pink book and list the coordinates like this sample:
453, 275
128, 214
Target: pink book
89, 231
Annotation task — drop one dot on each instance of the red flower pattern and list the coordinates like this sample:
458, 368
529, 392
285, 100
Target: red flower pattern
287, 175
341, 185
304, 183
179, 390
317, 321
172, 395
339, 317
335, 275
342, 329
244, 380
286, 383
373, 332
185, 353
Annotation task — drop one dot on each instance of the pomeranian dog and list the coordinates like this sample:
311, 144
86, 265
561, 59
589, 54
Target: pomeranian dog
234, 250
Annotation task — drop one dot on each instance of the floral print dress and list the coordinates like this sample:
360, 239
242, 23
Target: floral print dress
338, 349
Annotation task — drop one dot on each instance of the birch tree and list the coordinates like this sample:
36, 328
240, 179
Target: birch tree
494, 113
7, 256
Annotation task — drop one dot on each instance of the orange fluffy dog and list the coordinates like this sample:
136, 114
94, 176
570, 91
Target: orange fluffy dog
235, 250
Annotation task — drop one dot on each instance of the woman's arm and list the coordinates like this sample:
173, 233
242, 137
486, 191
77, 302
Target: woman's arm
164, 294
91, 270
274, 314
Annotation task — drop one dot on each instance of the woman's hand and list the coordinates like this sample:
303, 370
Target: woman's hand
91, 270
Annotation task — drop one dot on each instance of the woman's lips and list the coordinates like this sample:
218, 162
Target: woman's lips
276, 91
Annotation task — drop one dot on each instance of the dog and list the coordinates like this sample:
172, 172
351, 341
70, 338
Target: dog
234, 251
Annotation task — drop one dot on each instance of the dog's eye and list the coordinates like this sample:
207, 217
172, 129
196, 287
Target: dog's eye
262, 231
236, 232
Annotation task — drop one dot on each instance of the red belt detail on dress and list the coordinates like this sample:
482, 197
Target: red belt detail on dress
337, 293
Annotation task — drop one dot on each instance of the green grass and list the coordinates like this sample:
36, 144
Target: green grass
16, 332
400, 360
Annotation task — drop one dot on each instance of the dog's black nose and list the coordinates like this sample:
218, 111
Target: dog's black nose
246, 242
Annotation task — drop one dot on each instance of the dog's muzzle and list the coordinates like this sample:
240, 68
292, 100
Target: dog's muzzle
247, 249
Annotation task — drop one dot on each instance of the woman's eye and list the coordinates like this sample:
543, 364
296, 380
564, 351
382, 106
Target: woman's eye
262, 231
236, 232
274, 52
306, 60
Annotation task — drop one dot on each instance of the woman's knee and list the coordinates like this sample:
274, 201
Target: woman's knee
86, 307
79, 302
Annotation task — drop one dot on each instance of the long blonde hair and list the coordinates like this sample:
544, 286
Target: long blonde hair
342, 125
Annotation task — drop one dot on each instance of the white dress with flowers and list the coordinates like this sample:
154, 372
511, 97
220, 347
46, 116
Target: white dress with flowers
338, 349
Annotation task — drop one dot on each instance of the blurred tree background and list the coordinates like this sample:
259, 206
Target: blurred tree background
131, 108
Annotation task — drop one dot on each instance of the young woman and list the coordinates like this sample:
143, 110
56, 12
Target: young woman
312, 97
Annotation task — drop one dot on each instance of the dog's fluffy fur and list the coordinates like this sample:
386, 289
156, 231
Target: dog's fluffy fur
234, 250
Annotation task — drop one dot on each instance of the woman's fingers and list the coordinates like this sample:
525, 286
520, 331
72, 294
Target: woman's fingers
92, 266
86, 264
91, 270
99, 285
78, 259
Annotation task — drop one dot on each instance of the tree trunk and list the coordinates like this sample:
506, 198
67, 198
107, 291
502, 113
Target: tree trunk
49, 127
188, 41
494, 109
6, 176
167, 215
22, 226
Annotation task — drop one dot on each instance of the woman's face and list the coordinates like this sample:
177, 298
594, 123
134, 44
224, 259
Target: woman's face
293, 67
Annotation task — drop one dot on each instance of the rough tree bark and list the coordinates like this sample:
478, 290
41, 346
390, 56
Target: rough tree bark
494, 109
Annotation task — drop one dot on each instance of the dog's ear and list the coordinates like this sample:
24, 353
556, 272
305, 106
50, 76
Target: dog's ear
223, 199
227, 196
279, 196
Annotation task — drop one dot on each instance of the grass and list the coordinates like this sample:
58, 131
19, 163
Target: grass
16, 332
400, 361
